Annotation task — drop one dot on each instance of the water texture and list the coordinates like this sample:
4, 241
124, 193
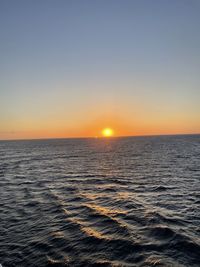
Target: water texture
100, 202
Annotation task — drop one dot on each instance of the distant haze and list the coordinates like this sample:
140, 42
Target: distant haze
73, 68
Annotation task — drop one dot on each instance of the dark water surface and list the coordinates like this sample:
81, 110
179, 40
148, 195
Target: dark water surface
100, 202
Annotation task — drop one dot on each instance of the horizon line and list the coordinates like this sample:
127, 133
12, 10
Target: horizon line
97, 137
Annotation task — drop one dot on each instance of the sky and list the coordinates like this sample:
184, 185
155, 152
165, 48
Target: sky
69, 68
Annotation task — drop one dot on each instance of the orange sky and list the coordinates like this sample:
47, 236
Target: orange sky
129, 127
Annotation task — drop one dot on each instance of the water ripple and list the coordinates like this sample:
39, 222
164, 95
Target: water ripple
95, 202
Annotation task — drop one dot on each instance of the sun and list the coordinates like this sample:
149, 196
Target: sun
107, 132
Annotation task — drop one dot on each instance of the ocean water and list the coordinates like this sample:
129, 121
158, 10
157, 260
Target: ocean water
100, 202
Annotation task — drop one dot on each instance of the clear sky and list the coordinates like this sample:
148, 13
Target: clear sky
69, 68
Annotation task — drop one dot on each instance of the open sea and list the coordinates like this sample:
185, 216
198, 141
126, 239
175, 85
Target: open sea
131, 201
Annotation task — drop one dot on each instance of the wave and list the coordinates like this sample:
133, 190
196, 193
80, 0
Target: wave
123, 202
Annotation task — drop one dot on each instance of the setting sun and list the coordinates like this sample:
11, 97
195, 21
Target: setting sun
107, 132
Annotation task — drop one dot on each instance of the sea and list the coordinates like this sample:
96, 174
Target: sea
127, 201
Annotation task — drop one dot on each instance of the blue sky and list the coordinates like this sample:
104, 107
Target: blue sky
65, 64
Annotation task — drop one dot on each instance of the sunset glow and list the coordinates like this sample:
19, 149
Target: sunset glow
107, 132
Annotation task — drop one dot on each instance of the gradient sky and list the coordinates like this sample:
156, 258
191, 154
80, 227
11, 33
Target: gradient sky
71, 68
